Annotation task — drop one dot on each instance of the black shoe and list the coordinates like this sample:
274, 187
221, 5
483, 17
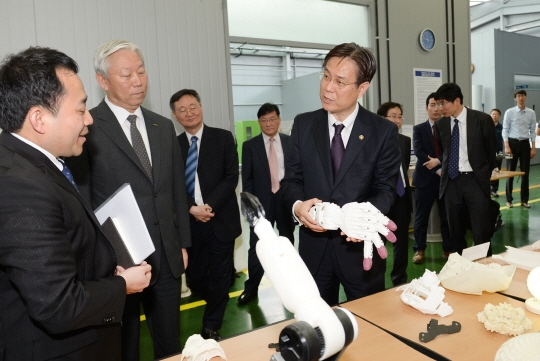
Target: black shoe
246, 297
495, 194
207, 333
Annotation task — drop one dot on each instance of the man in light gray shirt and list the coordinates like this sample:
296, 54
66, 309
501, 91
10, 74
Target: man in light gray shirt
519, 127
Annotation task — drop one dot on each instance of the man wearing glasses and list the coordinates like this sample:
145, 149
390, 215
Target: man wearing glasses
263, 167
466, 139
211, 178
401, 210
341, 153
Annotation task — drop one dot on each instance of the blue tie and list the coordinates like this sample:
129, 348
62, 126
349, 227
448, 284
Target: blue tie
453, 166
191, 167
67, 173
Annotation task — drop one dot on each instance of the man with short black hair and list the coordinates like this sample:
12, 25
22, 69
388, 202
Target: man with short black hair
427, 180
341, 153
518, 130
496, 115
59, 296
263, 167
211, 173
466, 139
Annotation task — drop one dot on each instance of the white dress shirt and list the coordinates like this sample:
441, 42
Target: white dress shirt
121, 115
279, 153
55, 161
464, 165
198, 195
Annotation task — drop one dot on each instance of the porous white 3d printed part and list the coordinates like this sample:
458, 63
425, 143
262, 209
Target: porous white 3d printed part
426, 295
505, 319
520, 348
199, 349
464, 276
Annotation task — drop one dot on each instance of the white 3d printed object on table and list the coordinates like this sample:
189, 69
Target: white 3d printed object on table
505, 319
520, 348
199, 349
426, 295
464, 276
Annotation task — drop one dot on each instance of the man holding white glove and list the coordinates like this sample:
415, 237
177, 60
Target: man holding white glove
341, 154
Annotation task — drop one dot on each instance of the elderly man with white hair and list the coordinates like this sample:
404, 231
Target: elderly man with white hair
130, 144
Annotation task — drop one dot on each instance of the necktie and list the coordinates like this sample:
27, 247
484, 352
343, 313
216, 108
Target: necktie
437, 152
337, 148
138, 146
191, 167
69, 176
273, 164
453, 166
400, 186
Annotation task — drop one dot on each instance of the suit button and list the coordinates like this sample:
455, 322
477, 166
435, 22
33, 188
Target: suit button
155, 195
156, 223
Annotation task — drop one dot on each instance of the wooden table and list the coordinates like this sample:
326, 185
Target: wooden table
473, 342
505, 174
372, 343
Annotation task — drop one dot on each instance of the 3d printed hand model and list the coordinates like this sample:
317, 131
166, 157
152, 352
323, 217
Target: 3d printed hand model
321, 333
357, 220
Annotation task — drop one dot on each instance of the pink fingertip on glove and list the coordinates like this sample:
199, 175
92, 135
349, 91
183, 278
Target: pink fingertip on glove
368, 262
391, 225
382, 252
391, 236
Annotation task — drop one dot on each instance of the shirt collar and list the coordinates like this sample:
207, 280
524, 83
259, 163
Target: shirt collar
120, 113
198, 135
518, 109
348, 122
462, 117
266, 138
52, 158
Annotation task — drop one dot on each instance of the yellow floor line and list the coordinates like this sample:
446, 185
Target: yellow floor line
519, 204
517, 190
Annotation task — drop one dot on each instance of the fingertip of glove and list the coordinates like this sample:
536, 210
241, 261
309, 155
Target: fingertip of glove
383, 252
367, 264
391, 237
391, 225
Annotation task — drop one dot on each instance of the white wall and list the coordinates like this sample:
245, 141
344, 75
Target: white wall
185, 44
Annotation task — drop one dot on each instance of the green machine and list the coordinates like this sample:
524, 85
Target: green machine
245, 130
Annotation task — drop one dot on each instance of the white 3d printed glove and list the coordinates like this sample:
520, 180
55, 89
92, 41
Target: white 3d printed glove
357, 220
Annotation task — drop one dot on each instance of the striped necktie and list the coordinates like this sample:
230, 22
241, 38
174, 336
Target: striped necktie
191, 167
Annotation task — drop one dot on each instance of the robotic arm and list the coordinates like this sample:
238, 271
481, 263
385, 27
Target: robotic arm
357, 220
321, 332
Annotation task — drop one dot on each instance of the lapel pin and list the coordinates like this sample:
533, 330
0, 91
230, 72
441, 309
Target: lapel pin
155, 125
361, 137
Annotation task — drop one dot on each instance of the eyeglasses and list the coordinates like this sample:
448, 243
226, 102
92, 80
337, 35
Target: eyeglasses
396, 117
339, 83
192, 108
440, 105
271, 120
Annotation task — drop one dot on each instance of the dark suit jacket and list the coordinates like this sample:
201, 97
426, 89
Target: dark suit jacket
56, 267
217, 169
480, 147
368, 173
405, 150
424, 145
255, 169
108, 161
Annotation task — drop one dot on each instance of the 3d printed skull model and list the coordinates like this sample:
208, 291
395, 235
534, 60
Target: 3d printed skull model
426, 295
505, 319
199, 349
357, 220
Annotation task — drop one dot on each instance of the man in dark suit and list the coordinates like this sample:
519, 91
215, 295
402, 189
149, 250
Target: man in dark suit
211, 179
466, 139
130, 144
341, 154
427, 180
59, 296
401, 210
263, 166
